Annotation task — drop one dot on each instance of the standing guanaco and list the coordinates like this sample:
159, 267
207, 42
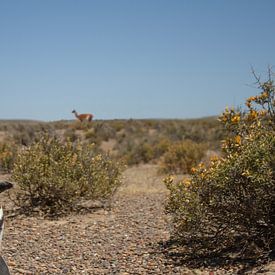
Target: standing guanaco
83, 117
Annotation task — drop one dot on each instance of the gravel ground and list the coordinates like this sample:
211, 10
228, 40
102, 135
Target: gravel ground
123, 240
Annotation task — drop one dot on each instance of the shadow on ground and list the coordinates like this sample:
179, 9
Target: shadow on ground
178, 255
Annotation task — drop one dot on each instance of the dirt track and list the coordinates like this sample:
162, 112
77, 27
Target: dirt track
124, 240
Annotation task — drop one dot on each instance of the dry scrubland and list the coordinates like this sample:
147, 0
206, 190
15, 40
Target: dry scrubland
122, 230
133, 141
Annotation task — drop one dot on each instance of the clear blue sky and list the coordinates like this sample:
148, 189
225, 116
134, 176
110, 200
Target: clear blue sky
131, 58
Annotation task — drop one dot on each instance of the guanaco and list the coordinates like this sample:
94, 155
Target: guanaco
82, 117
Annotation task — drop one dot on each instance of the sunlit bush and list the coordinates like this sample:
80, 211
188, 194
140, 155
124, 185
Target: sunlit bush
182, 156
229, 206
53, 176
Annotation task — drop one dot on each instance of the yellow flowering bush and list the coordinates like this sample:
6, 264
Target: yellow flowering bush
229, 206
54, 176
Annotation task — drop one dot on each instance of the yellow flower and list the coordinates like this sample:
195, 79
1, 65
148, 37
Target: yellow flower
253, 114
193, 170
201, 165
187, 182
252, 98
235, 119
238, 139
248, 104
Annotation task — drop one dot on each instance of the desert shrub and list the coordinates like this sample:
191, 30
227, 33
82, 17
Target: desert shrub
143, 141
91, 135
24, 133
203, 130
118, 125
81, 126
139, 153
141, 150
229, 207
60, 124
182, 156
104, 131
175, 130
54, 176
161, 146
70, 135
8, 153
101, 131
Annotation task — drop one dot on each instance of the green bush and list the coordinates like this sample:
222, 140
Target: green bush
182, 156
139, 153
229, 207
54, 176
8, 153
